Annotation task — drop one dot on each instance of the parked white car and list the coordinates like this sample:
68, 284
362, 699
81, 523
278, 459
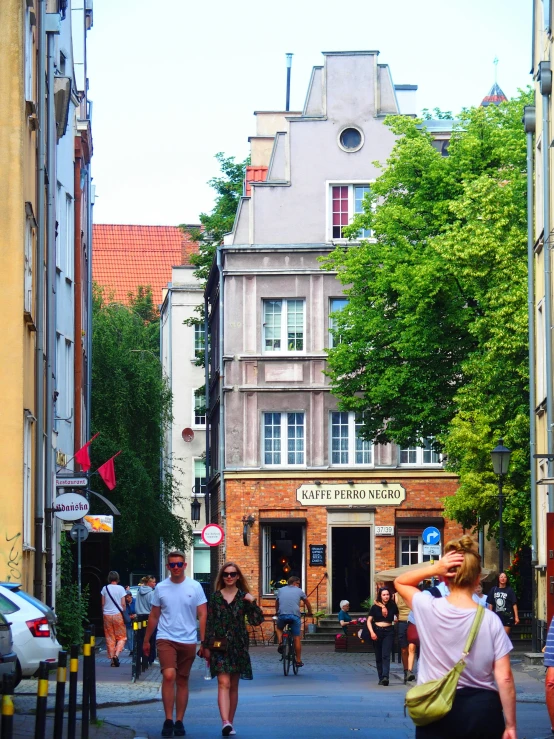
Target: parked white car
8, 657
33, 626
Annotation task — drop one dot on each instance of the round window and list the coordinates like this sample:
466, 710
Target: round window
351, 139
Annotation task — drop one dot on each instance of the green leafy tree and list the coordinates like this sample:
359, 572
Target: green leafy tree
71, 609
229, 189
433, 342
131, 408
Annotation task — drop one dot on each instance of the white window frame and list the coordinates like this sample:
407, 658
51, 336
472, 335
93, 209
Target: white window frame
420, 556
351, 184
331, 321
29, 54
27, 479
197, 424
68, 238
60, 246
266, 554
28, 276
284, 439
68, 379
418, 452
195, 461
198, 338
540, 343
284, 326
351, 451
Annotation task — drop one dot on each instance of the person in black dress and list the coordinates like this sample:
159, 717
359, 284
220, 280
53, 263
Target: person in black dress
380, 622
228, 607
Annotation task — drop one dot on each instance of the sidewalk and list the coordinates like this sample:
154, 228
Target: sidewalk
24, 728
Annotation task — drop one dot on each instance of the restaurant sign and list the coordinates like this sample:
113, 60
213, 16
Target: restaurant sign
341, 495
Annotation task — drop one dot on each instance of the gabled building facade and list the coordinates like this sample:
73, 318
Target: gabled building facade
293, 485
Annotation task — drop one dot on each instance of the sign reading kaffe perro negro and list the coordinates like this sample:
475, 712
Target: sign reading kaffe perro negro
368, 494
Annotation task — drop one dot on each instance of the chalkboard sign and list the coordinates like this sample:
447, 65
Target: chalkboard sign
317, 555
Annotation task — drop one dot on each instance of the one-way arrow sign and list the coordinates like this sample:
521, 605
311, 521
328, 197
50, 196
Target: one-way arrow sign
431, 535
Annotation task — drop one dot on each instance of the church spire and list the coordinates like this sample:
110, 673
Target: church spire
495, 95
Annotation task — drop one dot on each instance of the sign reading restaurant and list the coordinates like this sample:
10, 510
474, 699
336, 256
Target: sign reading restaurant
369, 494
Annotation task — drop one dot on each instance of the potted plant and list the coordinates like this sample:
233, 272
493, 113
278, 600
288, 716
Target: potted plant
312, 628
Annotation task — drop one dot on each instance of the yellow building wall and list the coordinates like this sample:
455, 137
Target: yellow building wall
16, 342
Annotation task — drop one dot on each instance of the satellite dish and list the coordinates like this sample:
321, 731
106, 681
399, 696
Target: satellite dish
187, 434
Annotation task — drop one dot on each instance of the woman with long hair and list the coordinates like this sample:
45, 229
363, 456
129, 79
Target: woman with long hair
113, 606
502, 600
380, 623
229, 605
481, 710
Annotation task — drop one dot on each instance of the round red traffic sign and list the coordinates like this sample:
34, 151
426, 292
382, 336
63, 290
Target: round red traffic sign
212, 535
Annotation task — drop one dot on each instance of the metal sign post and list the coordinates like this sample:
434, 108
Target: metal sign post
79, 533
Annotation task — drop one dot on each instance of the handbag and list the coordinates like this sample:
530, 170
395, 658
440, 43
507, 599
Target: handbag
126, 617
216, 644
432, 700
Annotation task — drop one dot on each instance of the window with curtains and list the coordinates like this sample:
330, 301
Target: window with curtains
346, 202
347, 445
283, 438
282, 554
283, 326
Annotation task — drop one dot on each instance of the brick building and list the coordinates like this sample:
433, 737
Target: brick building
295, 488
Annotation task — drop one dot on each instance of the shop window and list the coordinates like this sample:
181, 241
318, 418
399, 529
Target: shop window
347, 445
201, 560
283, 326
283, 438
283, 554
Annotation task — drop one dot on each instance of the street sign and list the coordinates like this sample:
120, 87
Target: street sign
431, 535
212, 535
432, 549
71, 506
79, 532
71, 481
384, 531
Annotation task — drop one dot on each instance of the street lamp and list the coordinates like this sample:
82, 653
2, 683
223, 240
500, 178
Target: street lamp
500, 462
195, 509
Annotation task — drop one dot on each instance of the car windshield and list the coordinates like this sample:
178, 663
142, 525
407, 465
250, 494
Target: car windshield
7, 606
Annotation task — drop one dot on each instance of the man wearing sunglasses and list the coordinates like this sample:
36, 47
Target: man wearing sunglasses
177, 603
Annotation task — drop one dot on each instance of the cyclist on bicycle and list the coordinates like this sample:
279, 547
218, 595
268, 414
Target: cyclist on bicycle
287, 608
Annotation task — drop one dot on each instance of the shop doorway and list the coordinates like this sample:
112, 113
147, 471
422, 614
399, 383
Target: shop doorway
351, 568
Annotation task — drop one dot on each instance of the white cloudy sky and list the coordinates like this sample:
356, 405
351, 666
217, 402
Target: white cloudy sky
175, 81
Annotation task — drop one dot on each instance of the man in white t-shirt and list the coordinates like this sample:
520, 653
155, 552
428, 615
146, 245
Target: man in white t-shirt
177, 603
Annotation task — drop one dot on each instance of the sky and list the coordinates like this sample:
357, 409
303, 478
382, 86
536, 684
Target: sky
173, 82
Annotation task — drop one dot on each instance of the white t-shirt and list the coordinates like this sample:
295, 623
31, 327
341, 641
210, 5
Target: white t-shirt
179, 602
443, 630
117, 592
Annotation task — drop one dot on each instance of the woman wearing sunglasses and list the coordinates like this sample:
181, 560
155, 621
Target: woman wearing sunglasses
228, 606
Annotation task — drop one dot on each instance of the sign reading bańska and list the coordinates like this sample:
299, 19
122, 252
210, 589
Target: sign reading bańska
363, 494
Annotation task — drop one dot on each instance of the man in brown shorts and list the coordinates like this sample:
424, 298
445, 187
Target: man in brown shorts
177, 603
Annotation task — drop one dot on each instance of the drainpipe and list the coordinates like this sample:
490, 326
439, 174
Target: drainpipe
221, 335
78, 299
39, 309
52, 28
529, 125
207, 402
545, 83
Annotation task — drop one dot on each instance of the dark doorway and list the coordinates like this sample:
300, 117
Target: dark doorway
351, 575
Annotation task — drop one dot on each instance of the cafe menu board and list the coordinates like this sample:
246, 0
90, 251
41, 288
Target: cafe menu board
317, 555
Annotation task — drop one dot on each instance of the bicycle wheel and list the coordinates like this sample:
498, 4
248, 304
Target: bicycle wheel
286, 654
293, 657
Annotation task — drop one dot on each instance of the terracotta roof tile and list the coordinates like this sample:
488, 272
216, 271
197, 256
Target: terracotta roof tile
254, 174
126, 257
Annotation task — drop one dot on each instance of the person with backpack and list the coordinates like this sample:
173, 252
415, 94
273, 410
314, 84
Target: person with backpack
454, 630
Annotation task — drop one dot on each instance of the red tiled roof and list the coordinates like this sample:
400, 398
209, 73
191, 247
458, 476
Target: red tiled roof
494, 97
126, 257
254, 174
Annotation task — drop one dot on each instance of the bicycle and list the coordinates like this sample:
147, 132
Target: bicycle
288, 655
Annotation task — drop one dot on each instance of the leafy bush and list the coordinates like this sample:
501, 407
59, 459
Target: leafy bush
72, 611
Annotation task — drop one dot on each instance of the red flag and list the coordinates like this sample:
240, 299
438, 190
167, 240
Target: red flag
107, 472
82, 456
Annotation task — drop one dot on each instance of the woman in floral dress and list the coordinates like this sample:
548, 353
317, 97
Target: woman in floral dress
228, 608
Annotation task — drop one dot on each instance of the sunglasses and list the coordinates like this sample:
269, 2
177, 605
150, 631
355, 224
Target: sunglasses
175, 564
230, 574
